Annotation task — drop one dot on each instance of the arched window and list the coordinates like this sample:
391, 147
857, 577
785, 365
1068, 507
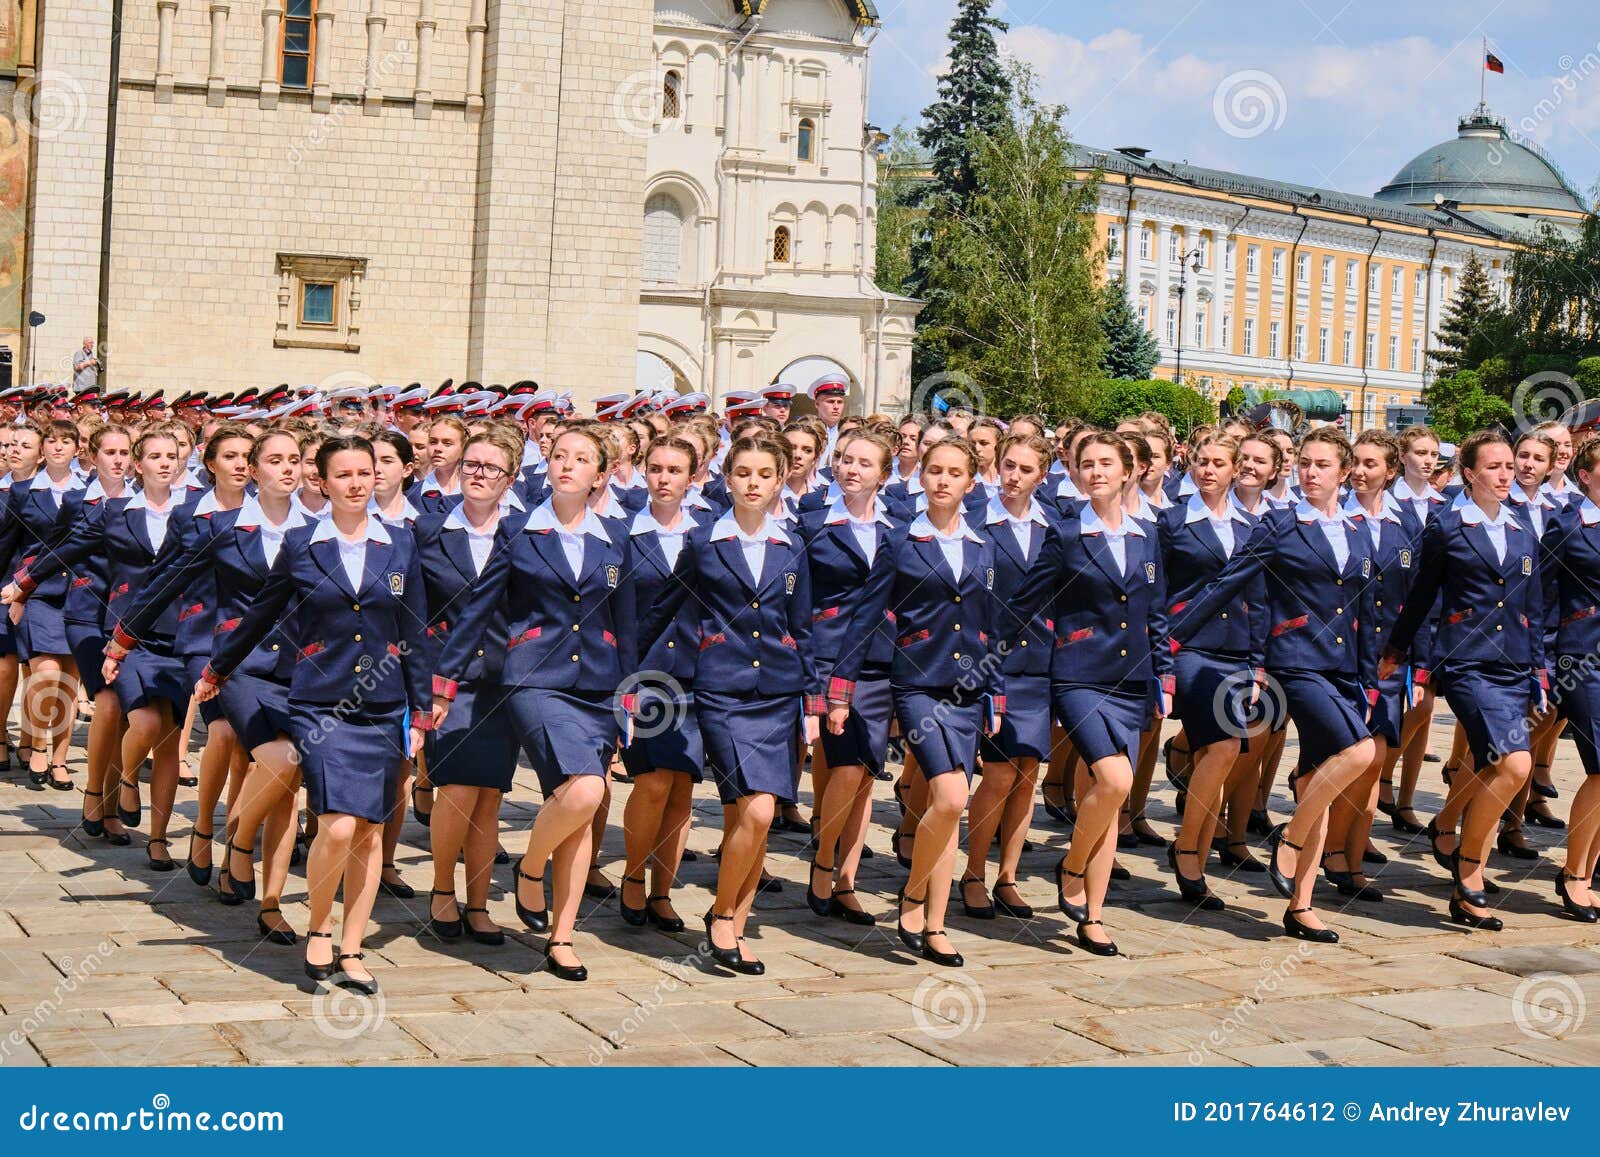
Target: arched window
663, 239
808, 135
780, 244
671, 96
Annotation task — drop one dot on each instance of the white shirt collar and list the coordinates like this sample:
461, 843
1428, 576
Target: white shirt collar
1187, 486
41, 481
457, 520
141, 501
645, 523
1089, 523
1389, 513
1197, 511
96, 490
407, 511
508, 501
1473, 515
208, 504
1589, 512
998, 513
612, 508
728, 527
1305, 512
838, 512
922, 528
1537, 498
251, 514
326, 531
544, 518
1402, 489
1068, 489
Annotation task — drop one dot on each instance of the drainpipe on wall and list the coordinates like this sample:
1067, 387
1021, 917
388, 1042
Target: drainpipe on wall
1294, 286
709, 354
103, 313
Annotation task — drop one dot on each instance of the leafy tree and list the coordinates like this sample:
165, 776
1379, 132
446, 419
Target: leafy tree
1131, 350
1458, 405
899, 217
1184, 407
1015, 272
1463, 340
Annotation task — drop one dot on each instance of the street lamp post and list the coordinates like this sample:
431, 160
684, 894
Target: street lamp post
1190, 260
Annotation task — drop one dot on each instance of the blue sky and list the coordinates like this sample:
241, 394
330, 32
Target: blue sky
1323, 92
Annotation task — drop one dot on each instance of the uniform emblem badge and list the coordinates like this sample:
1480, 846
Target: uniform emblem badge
1366, 568
1405, 560
788, 582
612, 576
1149, 572
1527, 564
989, 579
397, 583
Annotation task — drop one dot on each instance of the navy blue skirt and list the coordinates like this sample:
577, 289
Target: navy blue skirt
1329, 713
1578, 700
1025, 727
43, 630
666, 735
476, 747
148, 675
1103, 721
211, 710
8, 636
350, 762
564, 733
1492, 704
1389, 712
257, 709
752, 744
1212, 699
941, 730
866, 733
87, 644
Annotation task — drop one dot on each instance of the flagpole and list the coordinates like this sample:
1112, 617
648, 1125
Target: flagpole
1483, 70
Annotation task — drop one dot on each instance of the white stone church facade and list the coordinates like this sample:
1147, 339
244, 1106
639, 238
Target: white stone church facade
576, 191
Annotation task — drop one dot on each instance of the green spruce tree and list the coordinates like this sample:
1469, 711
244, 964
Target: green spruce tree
1131, 350
1016, 272
973, 104
1464, 339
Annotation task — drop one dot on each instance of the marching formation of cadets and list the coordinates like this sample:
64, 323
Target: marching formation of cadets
389, 595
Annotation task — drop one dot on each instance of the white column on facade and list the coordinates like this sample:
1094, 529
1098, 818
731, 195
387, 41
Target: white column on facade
1163, 302
372, 92
1224, 294
216, 80
321, 81
166, 11
271, 24
477, 27
422, 105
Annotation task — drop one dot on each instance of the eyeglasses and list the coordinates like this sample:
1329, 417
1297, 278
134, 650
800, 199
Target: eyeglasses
487, 469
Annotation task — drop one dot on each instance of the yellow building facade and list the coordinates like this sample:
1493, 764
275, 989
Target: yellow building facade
1251, 282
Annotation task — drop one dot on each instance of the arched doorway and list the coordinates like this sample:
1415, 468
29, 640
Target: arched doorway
653, 372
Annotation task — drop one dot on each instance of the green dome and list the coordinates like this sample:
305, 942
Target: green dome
1483, 166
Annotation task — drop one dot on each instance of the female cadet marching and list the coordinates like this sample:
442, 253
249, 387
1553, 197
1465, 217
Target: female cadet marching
568, 640
348, 594
1484, 563
754, 677
1320, 654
